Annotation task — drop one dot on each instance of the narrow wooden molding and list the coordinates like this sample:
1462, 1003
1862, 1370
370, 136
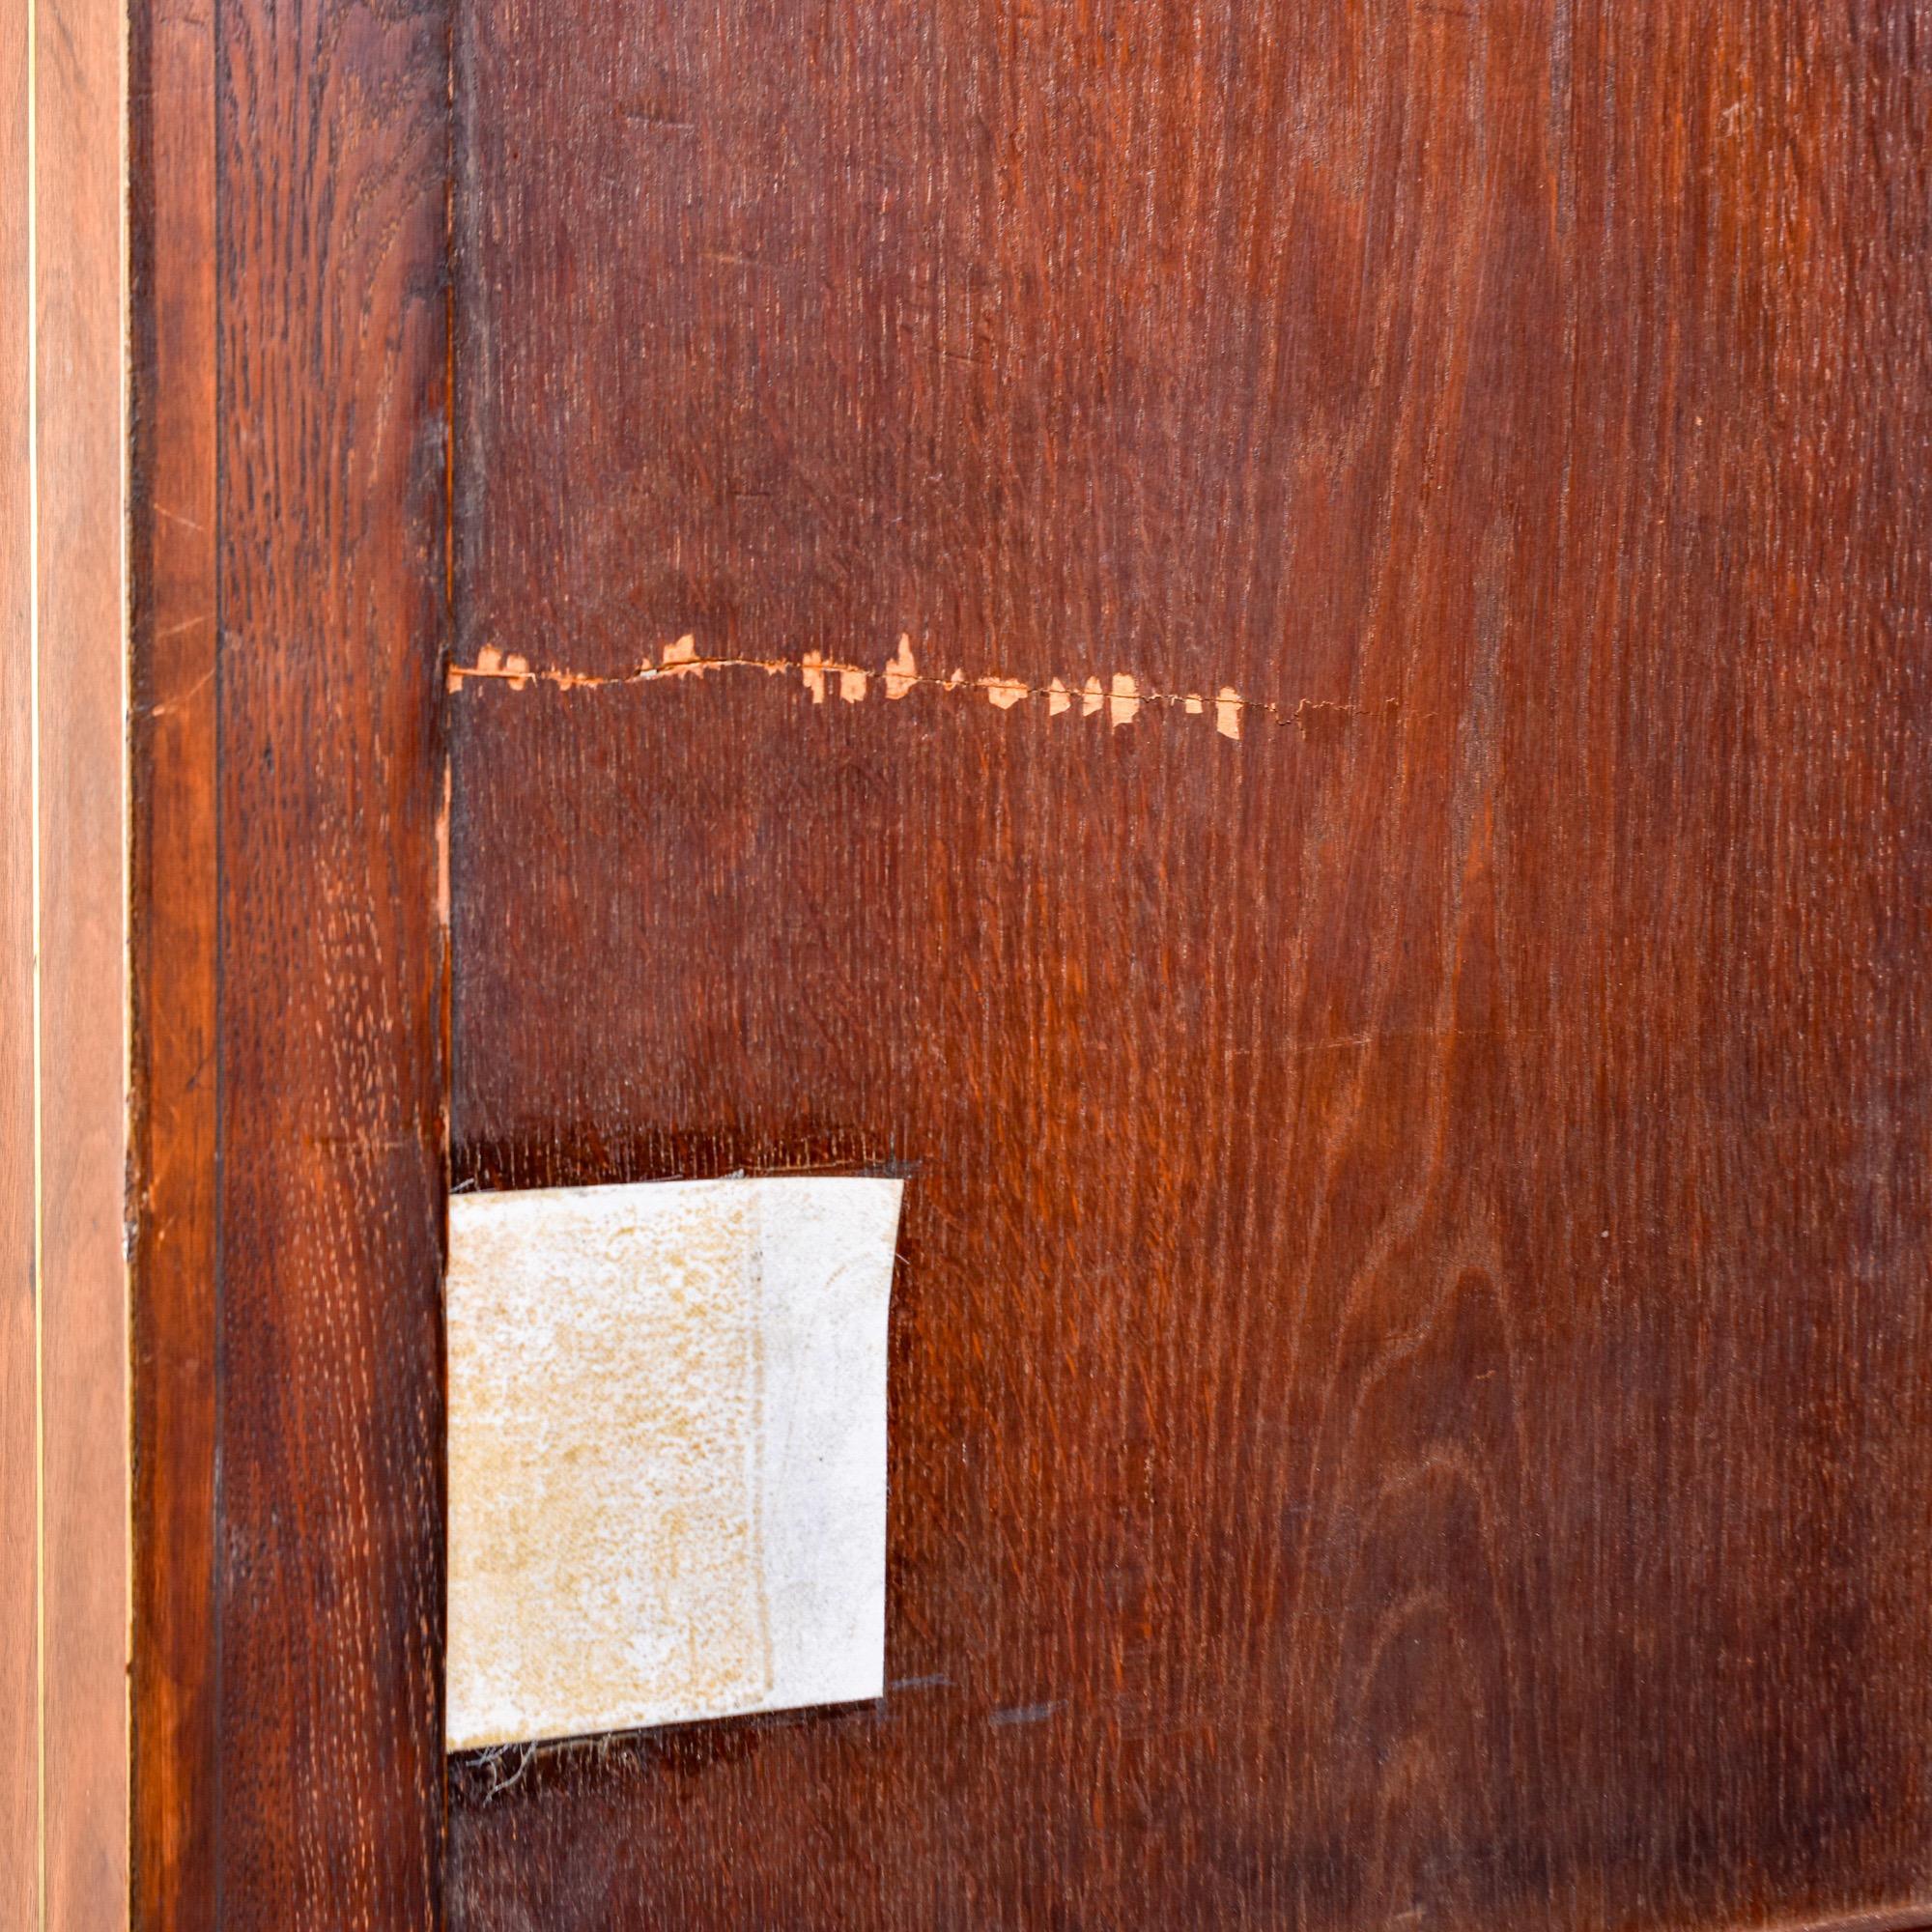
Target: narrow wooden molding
172, 526
64, 1497
19, 1447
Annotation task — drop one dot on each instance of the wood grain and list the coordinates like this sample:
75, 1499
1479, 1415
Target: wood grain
292, 374
330, 145
19, 1447
174, 959
1411, 1390
80, 443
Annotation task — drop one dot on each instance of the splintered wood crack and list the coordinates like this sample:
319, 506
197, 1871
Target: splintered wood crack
1122, 697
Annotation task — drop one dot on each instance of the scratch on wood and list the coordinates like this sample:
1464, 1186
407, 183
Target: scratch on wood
1122, 696
1023, 1713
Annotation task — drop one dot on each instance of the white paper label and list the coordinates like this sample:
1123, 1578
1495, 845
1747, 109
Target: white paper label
666, 1452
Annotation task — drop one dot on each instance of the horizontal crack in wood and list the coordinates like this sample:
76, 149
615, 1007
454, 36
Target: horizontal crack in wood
1121, 699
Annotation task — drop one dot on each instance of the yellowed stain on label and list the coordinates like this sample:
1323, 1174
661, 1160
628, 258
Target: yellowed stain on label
604, 1534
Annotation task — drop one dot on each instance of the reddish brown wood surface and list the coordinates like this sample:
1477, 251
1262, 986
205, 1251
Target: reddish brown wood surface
20, 1448
332, 139
1410, 1366
1410, 1397
63, 1277
80, 818
289, 166
172, 548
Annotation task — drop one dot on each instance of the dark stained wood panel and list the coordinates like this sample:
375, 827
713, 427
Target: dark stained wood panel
291, 375
173, 960
1410, 1362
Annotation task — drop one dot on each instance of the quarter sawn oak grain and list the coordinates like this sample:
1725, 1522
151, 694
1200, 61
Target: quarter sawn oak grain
1409, 1383
1410, 1379
331, 134
173, 959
